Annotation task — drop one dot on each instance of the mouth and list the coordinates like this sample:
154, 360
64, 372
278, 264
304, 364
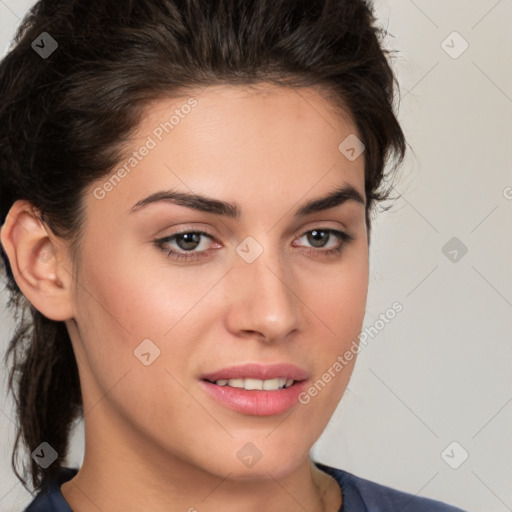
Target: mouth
253, 375
257, 390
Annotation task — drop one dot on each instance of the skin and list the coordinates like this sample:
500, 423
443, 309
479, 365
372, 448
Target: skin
154, 439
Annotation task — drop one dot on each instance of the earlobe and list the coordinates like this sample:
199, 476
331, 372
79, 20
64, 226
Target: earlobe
37, 262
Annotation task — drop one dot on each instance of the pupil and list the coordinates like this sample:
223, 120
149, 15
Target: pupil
190, 238
316, 239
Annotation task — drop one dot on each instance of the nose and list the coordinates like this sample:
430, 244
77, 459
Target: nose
264, 302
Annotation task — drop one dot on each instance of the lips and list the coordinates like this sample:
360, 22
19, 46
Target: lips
258, 371
254, 402
229, 387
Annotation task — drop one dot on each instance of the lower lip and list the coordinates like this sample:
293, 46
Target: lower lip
256, 402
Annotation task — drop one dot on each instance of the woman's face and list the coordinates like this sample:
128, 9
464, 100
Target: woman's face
264, 287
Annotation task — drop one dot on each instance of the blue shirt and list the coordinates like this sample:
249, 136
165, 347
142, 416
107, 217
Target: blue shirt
358, 495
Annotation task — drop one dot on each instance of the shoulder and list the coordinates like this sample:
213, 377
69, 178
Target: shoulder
50, 499
362, 495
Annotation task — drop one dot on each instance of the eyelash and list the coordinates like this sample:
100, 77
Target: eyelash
195, 256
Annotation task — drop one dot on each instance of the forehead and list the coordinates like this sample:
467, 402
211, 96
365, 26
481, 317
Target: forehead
254, 107
256, 143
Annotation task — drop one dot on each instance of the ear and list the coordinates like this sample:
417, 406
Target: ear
39, 261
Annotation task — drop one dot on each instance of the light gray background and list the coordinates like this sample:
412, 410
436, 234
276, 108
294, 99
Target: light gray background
441, 370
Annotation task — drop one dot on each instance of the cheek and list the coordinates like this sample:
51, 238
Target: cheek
339, 304
119, 308
340, 300
125, 300
137, 295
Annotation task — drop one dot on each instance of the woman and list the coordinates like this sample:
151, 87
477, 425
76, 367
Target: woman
186, 198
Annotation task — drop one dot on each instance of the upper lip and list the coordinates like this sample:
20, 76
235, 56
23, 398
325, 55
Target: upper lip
258, 371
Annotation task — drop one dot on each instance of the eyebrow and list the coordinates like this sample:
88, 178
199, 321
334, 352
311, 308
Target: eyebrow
232, 210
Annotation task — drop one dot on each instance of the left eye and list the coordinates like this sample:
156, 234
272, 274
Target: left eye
188, 241
318, 236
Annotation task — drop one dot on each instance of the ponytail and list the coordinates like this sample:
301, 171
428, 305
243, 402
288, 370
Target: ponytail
46, 388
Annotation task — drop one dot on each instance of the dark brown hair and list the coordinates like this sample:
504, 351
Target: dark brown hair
64, 119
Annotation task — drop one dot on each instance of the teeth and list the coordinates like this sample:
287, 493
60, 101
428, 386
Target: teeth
271, 384
250, 384
253, 384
